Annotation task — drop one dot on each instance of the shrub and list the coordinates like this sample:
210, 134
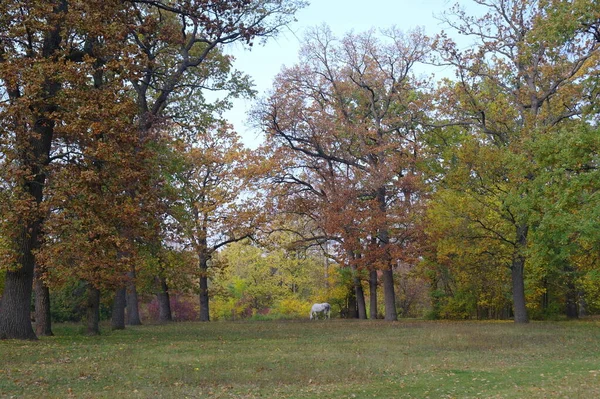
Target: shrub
183, 308
292, 308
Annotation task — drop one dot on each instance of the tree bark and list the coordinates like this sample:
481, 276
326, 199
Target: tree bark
518, 276
117, 320
133, 311
164, 301
352, 308
360, 297
43, 323
93, 310
204, 305
15, 307
571, 294
582, 304
373, 294
389, 295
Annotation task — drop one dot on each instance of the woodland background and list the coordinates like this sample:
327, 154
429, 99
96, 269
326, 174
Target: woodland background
125, 194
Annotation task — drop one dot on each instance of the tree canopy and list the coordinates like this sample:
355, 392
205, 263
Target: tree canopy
119, 174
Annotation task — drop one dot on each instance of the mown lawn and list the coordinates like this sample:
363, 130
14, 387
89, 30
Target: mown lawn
302, 359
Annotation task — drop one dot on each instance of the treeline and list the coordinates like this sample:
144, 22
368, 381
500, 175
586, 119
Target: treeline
376, 186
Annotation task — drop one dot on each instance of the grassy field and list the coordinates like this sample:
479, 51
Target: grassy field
324, 359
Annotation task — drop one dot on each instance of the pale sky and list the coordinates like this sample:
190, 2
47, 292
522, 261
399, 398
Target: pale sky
262, 63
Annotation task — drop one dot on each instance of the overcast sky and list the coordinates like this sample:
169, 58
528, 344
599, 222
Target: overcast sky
262, 63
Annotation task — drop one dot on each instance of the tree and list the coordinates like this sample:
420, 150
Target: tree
42, 55
525, 77
350, 112
217, 203
273, 279
181, 58
59, 47
565, 225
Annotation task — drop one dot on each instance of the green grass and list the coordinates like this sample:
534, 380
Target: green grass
301, 359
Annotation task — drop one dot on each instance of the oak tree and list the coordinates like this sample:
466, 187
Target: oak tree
524, 77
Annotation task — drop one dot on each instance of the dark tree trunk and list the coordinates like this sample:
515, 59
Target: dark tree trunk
93, 310
133, 311
43, 324
373, 294
360, 298
117, 320
204, 306
15, 312
518, 277
352, 307
545, 295
164, 301
582, 304
571, 305
389, 295
383, 236
571, 294
15, 307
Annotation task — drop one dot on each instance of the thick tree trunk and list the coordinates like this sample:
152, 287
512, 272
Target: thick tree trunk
133, 311
518, 277
373, 294
117, 320
15, 307
164, 301
204, 306
43, 324
93, 310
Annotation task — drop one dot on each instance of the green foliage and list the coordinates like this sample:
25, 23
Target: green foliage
292, 308
68, 303
590, 285
272, 283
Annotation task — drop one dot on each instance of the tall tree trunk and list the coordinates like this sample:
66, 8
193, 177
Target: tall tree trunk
133, 311
582, 304
389, 295
518, 276
373, 294
93, 310
360, 296
164, 301
352, 307
43, 326
204, 306
571, 294
117, 320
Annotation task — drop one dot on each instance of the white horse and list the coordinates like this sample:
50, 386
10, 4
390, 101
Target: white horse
317, 308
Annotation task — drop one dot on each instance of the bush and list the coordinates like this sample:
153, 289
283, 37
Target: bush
69, 303
183, 308
292, 308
